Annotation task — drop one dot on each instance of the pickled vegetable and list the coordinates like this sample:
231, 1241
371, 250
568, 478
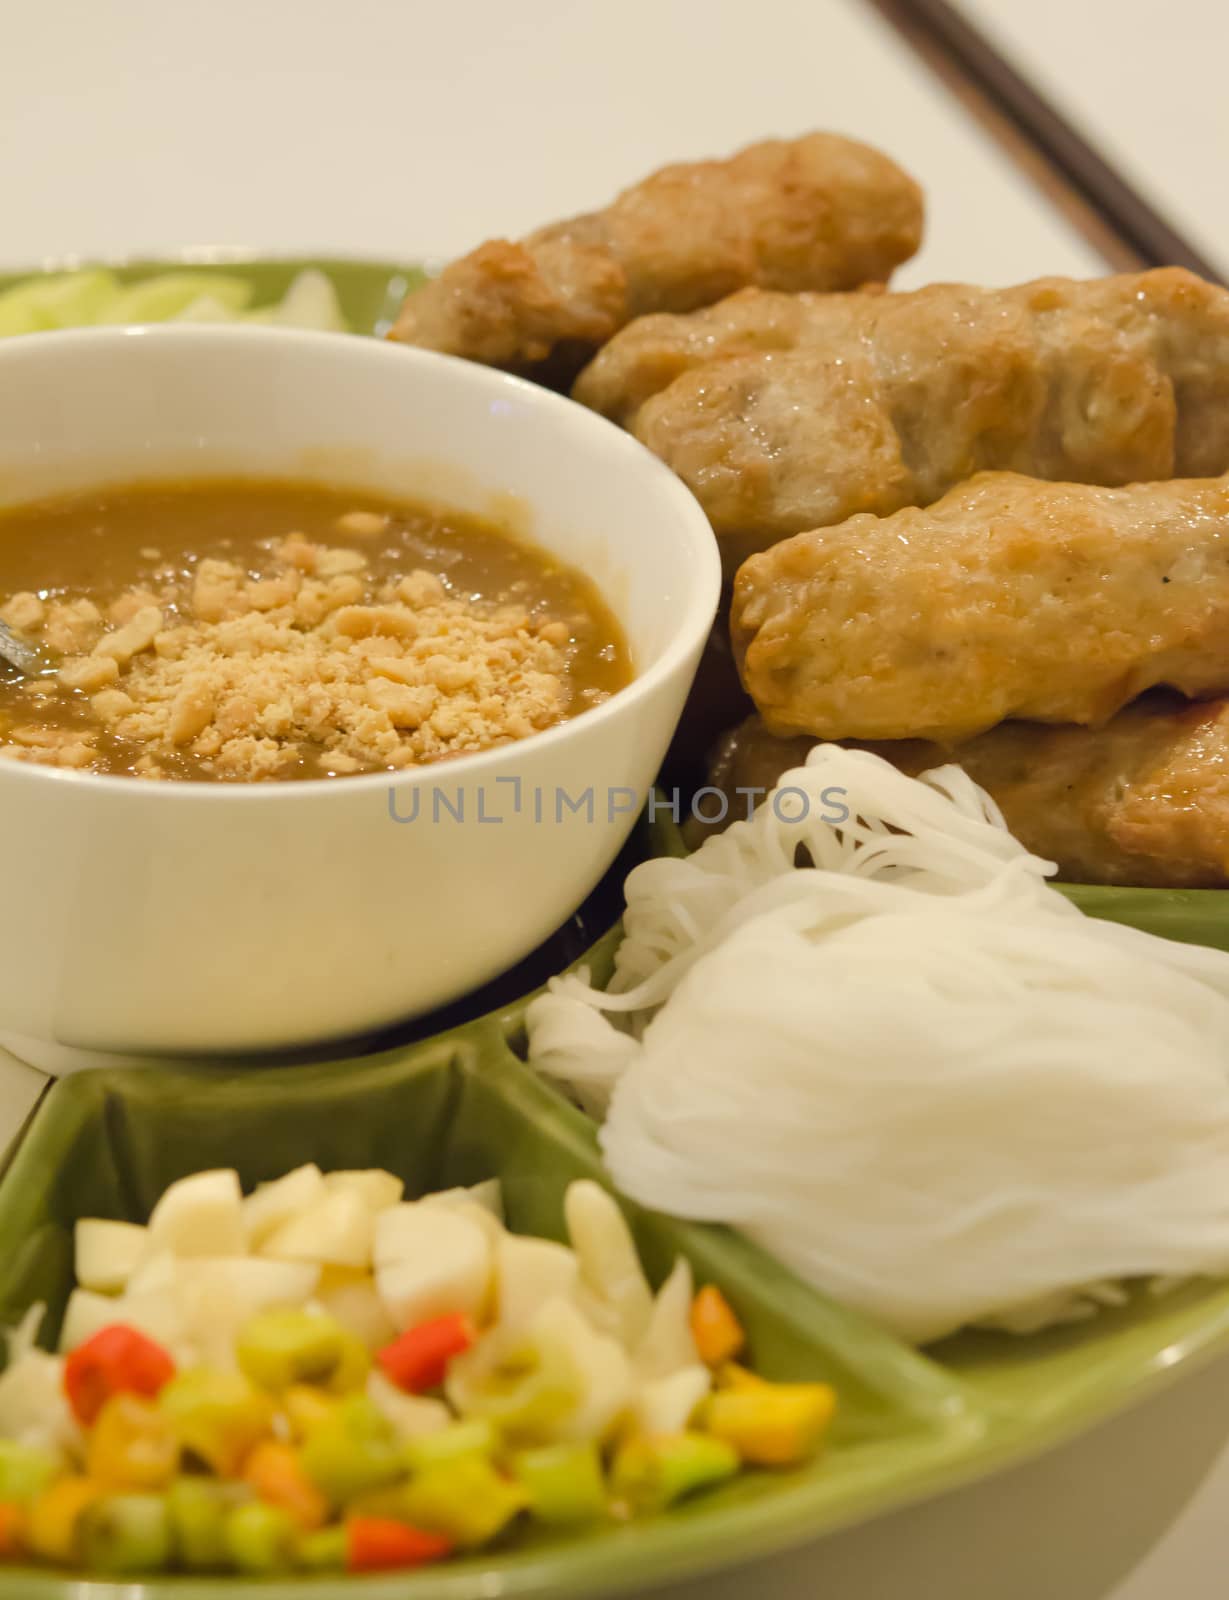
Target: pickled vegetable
651, 1474
419, 1359
522, 1386
107, 1253
460, 1439
411, 1416
326, 1551
127, 1533
133, 1444
352, 1453
279, 1478
524, 1381
196, 1510
53, 1529
772, 1424
218, 1416
282, 1347
305, 1408
12, 1530
25, 1471
117, 1360
353, 1365
717, 1331
466, 1500
564, 1483
375, 1544
260, 1539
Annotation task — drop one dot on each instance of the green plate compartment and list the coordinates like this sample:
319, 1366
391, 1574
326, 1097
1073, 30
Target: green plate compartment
455, 1110
463, 1107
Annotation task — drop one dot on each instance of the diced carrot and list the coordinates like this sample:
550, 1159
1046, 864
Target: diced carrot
717, 1331
378, 1544
419, 1359
275, 1472
12, 1526
117, 1360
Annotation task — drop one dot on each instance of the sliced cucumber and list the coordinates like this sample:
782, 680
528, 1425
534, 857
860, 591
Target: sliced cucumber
64, 301
170, 293
81, 299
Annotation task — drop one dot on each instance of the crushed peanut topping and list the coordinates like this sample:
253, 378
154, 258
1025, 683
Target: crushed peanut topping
311, 658
244, 630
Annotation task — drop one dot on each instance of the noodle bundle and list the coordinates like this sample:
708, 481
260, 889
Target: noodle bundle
907, 1067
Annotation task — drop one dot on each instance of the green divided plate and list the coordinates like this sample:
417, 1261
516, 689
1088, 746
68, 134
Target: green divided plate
461, 1106
1192, 916
455, 1110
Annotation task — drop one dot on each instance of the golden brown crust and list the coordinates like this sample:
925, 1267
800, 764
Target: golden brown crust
1007, 598
787, 412
820, 212
510, 305
1142, 801
647, 356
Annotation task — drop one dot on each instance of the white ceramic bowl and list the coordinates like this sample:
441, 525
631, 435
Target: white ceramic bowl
191, 917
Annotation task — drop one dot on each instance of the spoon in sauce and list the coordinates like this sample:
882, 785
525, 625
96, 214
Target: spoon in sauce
27, 658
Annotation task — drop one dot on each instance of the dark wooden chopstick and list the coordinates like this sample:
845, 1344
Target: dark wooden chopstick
1111, 213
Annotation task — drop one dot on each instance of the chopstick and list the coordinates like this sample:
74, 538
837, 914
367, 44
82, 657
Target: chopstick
1127, 229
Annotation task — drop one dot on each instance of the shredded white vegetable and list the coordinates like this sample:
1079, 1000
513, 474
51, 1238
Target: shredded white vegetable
913, 1071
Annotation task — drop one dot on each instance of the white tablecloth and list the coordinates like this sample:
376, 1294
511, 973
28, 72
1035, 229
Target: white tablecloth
391, 127
1146, 83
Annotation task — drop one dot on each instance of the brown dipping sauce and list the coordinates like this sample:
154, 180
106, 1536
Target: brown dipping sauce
250, 630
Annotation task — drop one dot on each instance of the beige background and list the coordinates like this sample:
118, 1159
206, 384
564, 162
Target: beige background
1146, 83
386, 126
